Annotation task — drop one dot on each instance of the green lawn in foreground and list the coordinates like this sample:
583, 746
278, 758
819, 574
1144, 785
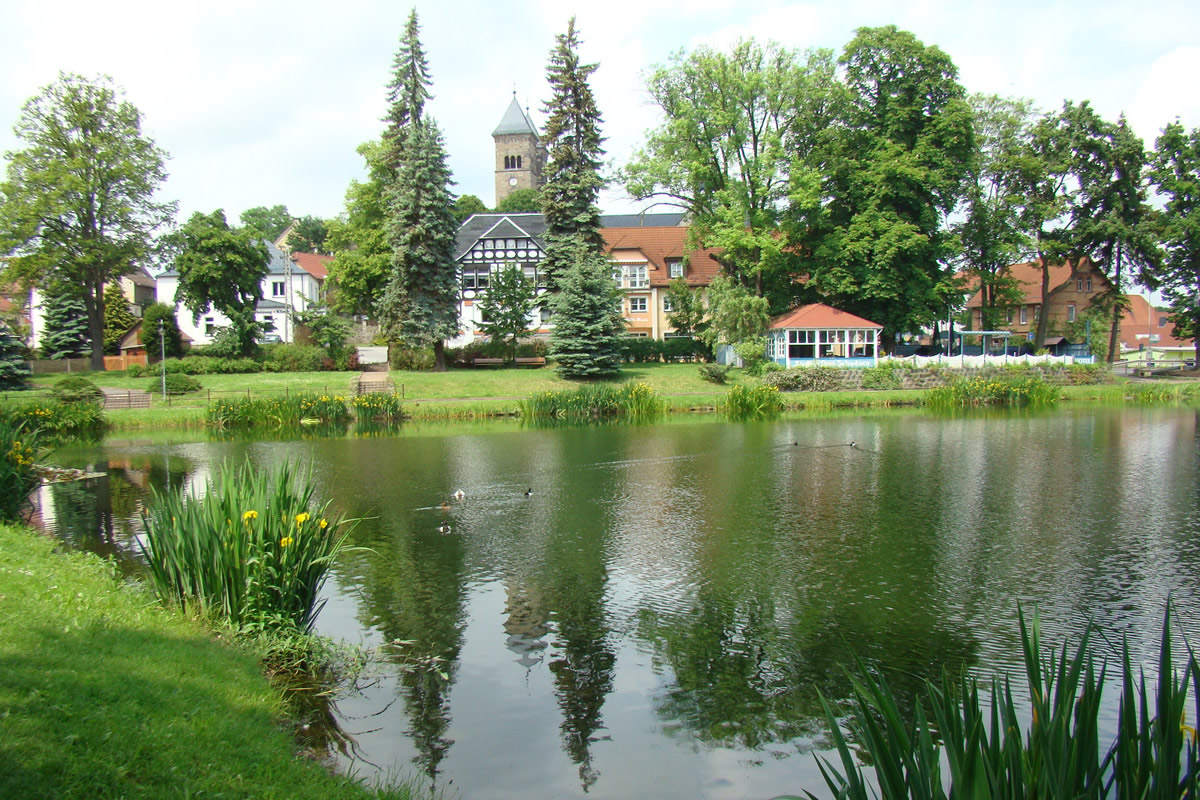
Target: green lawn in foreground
105, 695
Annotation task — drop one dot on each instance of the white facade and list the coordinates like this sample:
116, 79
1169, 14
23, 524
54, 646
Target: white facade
286, 288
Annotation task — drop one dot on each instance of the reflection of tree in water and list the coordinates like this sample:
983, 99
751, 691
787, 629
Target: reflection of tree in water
413, 592
744, 677
582, 661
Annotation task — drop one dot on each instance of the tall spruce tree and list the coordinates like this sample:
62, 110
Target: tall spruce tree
587, 305
572, 138
118, 319
66, 332
420, 299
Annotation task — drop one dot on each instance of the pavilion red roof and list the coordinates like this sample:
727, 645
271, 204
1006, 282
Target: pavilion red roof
819, 315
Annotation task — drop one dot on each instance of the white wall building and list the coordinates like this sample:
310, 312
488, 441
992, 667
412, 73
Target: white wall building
292, 284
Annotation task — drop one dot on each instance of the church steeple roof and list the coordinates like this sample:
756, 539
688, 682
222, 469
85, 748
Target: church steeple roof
515, 120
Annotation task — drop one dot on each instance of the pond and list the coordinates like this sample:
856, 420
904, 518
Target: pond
653, 611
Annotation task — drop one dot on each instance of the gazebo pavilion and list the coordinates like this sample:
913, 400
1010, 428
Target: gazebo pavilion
821, 334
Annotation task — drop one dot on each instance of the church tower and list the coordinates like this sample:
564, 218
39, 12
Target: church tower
520, 155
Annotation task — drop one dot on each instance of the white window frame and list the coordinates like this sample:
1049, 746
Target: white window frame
278, 288
632, 276
675, 268
1070, 312
640, 300
666, 305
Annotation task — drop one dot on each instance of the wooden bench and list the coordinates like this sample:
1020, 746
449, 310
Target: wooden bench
487, 362
530, 362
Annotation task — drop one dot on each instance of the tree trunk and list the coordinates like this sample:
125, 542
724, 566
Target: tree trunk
1039, 338
1114, 335
93, 301
439, 356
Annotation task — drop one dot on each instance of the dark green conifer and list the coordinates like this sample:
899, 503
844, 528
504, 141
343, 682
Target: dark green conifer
14, 370
66, 332
587, 316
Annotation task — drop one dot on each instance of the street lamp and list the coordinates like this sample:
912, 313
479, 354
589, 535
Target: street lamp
162, 357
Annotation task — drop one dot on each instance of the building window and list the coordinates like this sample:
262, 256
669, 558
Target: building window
638, 305
276, 288
512, 162
210, 325
1024, 315
1162, 322
631, 276
1008, 314
1089, 284
475, 277
667, 303
1079, 285
1070, 312
802, 344
675, 268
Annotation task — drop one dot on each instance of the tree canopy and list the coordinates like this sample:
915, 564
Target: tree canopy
78, 204
266, 223
521, 201
221, 267
507, 305
1176, 174
362, 255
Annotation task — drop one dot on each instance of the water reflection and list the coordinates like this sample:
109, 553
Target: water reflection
661, 613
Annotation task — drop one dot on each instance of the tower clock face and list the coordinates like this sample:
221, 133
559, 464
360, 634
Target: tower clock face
512, 181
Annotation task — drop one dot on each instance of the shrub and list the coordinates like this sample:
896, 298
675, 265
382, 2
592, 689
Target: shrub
76, 389
640, 349
18, 475
135, 371
714, 373
882, 376
533, 348
753, 353
421, 358
293, 358
254, 550
177, 384
805, 379
53, 420
757, 402
1081, 374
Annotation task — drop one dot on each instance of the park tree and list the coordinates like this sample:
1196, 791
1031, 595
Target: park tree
266, 223
66, 328
736, 314
687, 308
161, 317
1111, 217
362, 255
507, 306
737, 127
1176, 175
309, 236
420, 300
521, 201
573, 144
118, 319
469, 204
222, 268
326, 328
588, 327
14, 369
77, 205
893, 170
989, 232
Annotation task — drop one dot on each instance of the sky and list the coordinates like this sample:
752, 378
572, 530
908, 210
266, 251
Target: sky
263, 103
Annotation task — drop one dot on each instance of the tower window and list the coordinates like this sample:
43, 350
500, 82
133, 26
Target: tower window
512, 162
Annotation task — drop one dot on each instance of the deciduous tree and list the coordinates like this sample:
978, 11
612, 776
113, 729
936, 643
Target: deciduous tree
469, 204
78, 203
521, 201
507, 306
736, 315
1176, 174
362, 255
221, 267
687, 308
309, 236
266, 223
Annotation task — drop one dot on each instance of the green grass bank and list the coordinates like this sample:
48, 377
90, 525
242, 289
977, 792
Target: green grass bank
103, 694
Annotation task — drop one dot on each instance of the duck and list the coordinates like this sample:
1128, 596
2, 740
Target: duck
459, 495
529, 492
444, 528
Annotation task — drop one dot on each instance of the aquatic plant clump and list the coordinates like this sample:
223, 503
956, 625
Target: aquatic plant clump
253, 550
18, 475
757, 402
987, 753
291, 409
1006, 390
53, 419
633, 401
378, 407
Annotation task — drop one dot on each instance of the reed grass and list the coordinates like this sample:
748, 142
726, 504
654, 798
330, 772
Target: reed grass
19, 449
751, 402
378, 407
1006, 390
291, 409
1160, 393
985, 753
52, 419
253, 550
635, 402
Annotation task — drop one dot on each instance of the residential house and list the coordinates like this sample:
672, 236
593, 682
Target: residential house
648, 251
292, 284
138, 288
1073, 287
818, 334
1144, 324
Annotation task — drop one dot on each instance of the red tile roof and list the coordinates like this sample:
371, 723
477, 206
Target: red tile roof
314, 264
1137, 320
819, 315
658, 245
1029, 279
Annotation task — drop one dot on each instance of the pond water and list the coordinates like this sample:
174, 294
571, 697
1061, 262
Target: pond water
659, 615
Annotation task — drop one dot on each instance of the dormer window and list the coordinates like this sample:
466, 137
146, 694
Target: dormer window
675, 268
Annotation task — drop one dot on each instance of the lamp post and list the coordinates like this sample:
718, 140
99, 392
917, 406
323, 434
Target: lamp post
162, 357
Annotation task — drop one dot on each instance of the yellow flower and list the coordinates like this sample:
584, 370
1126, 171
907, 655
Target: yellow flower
285, 541
322, 524
249, 515
301, 518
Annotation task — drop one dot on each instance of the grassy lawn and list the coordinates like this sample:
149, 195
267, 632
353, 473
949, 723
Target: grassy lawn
104, 695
